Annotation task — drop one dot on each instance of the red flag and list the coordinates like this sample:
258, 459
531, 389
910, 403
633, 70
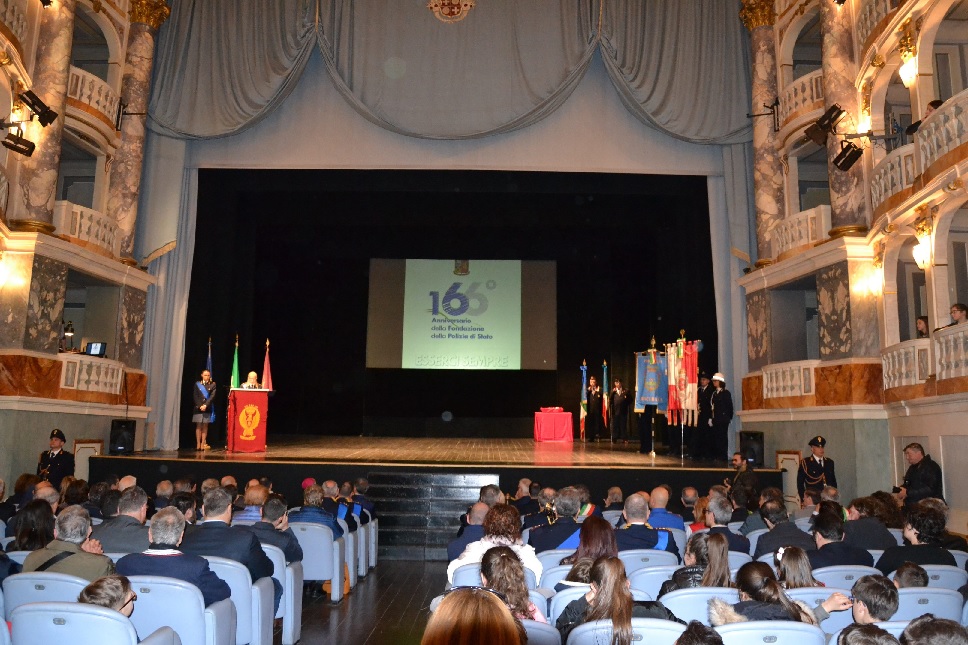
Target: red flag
266, 372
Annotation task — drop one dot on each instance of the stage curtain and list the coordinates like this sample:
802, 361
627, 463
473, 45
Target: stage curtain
223, 65
683, 67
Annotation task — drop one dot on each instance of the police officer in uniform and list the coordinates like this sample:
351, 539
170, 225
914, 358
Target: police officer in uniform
816, 471
56, 464
701, 447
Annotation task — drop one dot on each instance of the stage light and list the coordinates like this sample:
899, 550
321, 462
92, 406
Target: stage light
45, 115
849, 154
825, 125
18, 144
46, 3
839, 3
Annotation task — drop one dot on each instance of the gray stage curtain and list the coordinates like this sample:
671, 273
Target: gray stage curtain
504, 67
223, 65
682, 67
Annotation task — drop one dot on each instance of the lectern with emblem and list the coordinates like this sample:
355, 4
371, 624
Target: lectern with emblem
248, 411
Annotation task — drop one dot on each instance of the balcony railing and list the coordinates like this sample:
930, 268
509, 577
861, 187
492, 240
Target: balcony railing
87, 225
789, 379
95, 93
869, 15
893, 174
906, 363
13, 14
804, 94
944, 131
952, 351
803, 229
90, 373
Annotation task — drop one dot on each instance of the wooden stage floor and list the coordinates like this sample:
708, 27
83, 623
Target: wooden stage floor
457, 451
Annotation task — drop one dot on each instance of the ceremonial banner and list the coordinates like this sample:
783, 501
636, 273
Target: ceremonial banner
651, 386
208, 366
266, 372
248, 410
584, 401
683, 373
673, 363
605, 391
690, 374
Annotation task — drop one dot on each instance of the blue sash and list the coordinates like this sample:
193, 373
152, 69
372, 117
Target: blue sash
663, 540
572, 541
206, 394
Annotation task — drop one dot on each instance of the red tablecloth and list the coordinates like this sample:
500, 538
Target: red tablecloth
552, 426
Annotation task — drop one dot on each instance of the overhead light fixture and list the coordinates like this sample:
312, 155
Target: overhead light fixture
18, 144
45, 115
909, 55
908, 72
848, 156
825, 125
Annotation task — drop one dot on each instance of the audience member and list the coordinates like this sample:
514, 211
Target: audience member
829, 494
126, 482
928, 630
889, 509
614, 499
44, 493
185, 502
473, 532
337, 506
782, 531
587, 508
110, 503
718, 490
502, 571
162, 558
184, 485
698, 634
163, 492
95, 496
563, 532
112, 592
473, 616
490, 494
522, 498
23, 489
865, 528
739, 498
127, 532
950, 541
832, 549
707, 564
596, 538
545, 513
637, 531
755, 521
717, 516
874, 599
502, 527
609, 597
255, 496
7, 507
8, 567
688, 497
578, 576
273, 528
64, 484
922, 528
793, 568
312, 511
71, 551
699, 511
760, 598
910, 575
34, 528
76, 493
857, 634
660, 517
811, 497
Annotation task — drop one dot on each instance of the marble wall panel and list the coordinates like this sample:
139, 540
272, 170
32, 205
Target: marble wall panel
136, 386
132, 330
833, 300
29, 376
849, 384
45, 306
753, 392
758, 338
15, 270
865, 332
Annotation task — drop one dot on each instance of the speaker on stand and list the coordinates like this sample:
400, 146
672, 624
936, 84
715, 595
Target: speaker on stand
751, 447
122, 437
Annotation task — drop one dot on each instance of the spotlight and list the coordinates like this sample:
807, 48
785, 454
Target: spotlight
46, 3
45, 115
18, 144
849, 154
825, 125
839, 3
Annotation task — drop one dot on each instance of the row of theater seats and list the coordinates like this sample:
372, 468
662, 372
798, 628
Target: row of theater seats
246, 617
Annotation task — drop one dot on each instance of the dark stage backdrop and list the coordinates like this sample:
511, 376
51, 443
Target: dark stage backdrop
285, 255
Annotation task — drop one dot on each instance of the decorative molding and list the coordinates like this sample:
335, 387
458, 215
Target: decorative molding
56, 406
150, 12
450, 11
824, 413
758, 13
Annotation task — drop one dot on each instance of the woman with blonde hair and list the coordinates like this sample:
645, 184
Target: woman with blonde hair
707, 564
699, 512
473, 616
793, 568
501, 570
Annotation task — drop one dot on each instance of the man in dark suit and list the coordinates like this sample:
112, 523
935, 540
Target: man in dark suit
274, 529
337, 506
782, 531
523, 500
216, 537
594, 422
545, 499
718, 514
722, 414
313, 513
817, 470
637, 533
618, 408
473, 532
563, 532
360, 487
56, 464
828, 532
922, 479
702, 447
163, 558
127, 532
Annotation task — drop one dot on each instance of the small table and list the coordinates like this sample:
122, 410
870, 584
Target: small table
553, 426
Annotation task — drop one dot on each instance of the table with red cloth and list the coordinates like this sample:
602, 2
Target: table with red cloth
552, 426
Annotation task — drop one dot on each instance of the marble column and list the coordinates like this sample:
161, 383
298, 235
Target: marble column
768, 185
38, 173
125, 179
850, 208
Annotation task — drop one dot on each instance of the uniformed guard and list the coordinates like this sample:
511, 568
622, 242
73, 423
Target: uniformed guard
816, 471
56, 464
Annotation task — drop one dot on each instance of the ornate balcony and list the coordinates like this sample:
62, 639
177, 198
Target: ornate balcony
906, 363
942, 137
13, 22
88, 228
93, 102
801, 97
952, 352
894, 174
789, 379
91, 373
804, 229
871, 18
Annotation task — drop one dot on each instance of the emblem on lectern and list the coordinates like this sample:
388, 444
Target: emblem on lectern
249, 419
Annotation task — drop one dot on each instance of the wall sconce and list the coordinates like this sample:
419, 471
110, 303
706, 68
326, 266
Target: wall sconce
909, 56
922, 253
41, 110
825, 125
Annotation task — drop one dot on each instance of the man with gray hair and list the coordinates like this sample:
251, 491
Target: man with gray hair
71, 551
562, 532
126, 533
43, 490
717, 517
163, 558
637, 533
163, 492
545, 514
338, 507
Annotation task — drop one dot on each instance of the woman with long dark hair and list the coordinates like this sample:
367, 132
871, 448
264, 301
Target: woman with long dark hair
596, 538
793, 567
609, 598
760, 598
707, 564
501, 570
35, 530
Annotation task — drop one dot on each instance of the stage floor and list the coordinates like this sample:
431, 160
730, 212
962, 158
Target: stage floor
376, 451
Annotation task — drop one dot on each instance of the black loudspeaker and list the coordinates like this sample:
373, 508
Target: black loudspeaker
751, 445
122, 436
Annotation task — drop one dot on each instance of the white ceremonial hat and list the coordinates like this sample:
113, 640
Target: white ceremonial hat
718, 376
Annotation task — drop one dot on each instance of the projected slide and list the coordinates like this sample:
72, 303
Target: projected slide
470, 321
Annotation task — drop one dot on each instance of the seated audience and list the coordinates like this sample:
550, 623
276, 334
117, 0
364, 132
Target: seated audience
162, 558
23, 490
755, 521
637, 532
688, 497
43, 492
336, 506
7, 507
739, 497
659, 516
184, 485
811, 497
522, 498
473, 532
360, 488
609, 598
126, 482
793, 568
718, 490
587, 508
185, 502
473, 616
163, 492
890, 509
948, 540
698, 634
865, 528
76, 493
312, 511
127, 532
112, 592
255, 496
782, 531
71, 551
273, 528
718, 514
829, 494
760, 598
832, 549
707, 564
578, 576
700, 512
110, 504
563, 532
596, 538
857, 634
95, 496
8, 567
923, 528
545, 513
35, 527
502, 571
490, 494
873, 599
502, 527
614, 499
910, 575
928, 630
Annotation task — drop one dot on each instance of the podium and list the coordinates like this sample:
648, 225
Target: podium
248, 411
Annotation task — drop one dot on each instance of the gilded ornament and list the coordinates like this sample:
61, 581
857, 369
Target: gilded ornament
758, 13
450, 10
878, 260
877, 61
150, 12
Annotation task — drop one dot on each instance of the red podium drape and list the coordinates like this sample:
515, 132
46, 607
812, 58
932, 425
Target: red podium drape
248, 410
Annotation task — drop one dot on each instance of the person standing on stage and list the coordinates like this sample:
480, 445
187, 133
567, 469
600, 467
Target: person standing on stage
722, 414
56, 464
816, 471
251, 382
203, 396
701, 446
618, 405
594, 423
